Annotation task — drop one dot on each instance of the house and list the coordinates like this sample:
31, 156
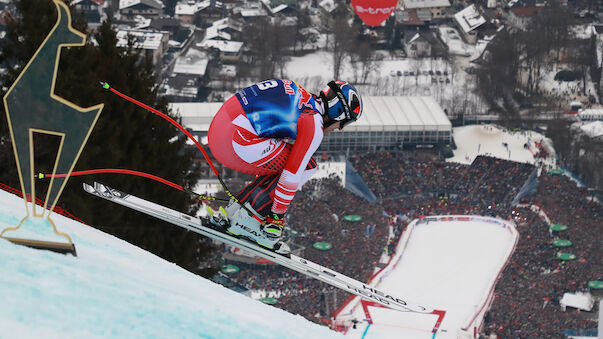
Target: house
229, 50
230, 26
436, 7
190, 72
412, 18
211, 10
468, 20
519, 17
94, 10
193, 63
165, 24
189, 11
153, 43
250, 12
145, 8
185, 12
423, 44
187, 76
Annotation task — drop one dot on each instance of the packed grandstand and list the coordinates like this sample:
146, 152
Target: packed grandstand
527, 294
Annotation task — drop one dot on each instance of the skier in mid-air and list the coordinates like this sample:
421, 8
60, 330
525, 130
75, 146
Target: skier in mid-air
271, 130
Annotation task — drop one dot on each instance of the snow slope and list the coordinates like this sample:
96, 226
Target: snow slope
474, 140
447, 262
114, 289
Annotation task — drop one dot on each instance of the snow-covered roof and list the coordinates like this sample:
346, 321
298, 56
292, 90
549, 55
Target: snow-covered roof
414, 38
184, 8
129, 3
425, 3
279, 8
227, 23
144, 39
328, 5
469, 19
191, 7
212, 32
142, 22
252, 12
193, 63
411, 113
222, 45
196, 115
593, 129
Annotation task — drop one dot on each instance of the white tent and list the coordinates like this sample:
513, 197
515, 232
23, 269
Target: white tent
581, 301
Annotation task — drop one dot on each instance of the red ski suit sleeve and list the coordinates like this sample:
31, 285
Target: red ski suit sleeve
309, 137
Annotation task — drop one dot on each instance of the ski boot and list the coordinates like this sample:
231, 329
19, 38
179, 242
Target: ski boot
242, 224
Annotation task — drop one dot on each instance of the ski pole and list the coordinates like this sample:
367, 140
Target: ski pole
137, 173
106, 86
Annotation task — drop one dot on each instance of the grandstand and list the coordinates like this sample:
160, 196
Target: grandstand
388, 123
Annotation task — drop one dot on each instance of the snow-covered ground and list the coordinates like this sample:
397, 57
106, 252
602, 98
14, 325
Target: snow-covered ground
116, 290
447, 82
450, 265
474, 140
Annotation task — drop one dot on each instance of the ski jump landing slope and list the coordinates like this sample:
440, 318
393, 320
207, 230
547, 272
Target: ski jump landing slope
116, 290
450, 263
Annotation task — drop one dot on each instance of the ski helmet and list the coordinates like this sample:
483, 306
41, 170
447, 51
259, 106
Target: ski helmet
342, 103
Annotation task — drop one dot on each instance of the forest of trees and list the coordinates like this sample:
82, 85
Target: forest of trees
516, 61
125, 135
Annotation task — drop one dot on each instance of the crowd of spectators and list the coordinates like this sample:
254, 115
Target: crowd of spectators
529, 291
408, 187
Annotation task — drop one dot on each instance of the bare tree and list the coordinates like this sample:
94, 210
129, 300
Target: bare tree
363, 61
268, 43
343, 38
582, 56
497, 78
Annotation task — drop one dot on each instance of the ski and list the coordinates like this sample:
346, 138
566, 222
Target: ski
301, 265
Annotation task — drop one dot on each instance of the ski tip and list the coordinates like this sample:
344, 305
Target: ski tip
209, 210
87, 188
105, 85
223, 211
